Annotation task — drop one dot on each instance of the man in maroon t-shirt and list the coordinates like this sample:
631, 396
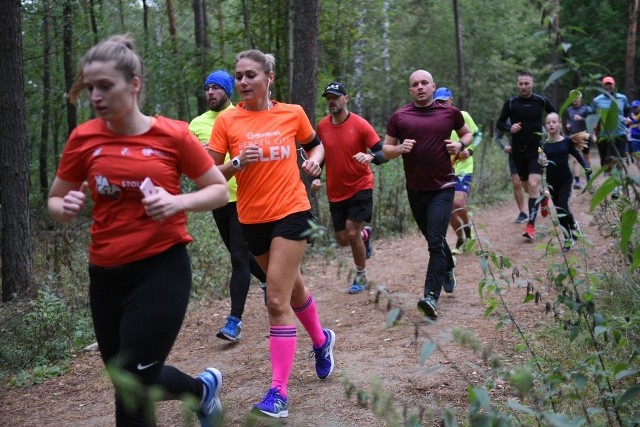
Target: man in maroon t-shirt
420, 132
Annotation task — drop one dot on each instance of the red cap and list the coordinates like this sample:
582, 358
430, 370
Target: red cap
608, 79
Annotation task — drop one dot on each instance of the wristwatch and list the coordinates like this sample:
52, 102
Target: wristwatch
235, 162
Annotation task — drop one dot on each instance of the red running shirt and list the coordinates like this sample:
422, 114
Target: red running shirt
114, 166
345, 176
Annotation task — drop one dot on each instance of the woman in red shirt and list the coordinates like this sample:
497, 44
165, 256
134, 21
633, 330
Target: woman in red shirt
139, 268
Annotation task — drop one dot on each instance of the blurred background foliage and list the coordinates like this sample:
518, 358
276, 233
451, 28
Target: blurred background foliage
371, 46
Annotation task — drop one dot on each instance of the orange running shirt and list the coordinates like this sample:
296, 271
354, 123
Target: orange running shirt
345, 176
114, 166
269, 189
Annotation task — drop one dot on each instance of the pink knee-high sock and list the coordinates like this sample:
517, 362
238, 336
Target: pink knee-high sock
282, 348
307, 313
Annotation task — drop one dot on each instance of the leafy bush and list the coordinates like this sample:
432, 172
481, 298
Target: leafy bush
39, 333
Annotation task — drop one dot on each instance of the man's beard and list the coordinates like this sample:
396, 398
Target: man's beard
336, 111
218, 105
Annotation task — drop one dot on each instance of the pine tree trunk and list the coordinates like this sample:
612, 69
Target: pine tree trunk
630, 63
14, 177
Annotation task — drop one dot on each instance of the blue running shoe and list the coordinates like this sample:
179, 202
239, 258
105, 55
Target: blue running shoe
210, 411
324, 355
356, 288
359, 284
367, 242
274, 404
232, 330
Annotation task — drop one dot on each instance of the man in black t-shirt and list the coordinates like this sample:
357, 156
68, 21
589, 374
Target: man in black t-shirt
526, 113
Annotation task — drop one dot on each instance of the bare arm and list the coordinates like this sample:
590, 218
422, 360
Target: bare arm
391, 149
66, 199
315, 156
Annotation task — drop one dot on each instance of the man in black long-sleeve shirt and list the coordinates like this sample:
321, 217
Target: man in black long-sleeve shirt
526, 113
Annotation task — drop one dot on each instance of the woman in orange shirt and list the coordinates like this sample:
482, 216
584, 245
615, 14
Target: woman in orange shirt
260, 135
139, 268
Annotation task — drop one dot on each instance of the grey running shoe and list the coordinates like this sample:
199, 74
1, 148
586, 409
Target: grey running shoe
450, 282
522, 218
428, 306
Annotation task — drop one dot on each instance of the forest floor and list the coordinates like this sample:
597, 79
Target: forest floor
368, 355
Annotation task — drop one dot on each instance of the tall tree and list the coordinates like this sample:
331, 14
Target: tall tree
173, 33
14, 178
67, 40
46, 98
305, 67
305, 52
358, 62
246, 16
630, 62
202, 47
94, 23
555, 52
462, 88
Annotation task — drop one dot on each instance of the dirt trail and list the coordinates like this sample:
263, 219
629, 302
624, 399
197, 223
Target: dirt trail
365, 349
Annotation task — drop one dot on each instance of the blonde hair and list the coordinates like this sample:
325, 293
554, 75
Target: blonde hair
118, 48
267, 60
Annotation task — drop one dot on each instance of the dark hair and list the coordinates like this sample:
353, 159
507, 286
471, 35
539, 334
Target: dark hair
524, 73
118, 48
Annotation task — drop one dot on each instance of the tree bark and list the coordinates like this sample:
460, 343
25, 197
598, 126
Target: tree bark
121, 14
14, 194
358, 62
202, 48
555, 57
462, 88
94, 23
46, 100
305, 52
630, 85
69, 74
305, 72
173, 33
246, 15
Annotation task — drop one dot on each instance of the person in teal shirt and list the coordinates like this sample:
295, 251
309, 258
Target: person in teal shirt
218, 88
463, 166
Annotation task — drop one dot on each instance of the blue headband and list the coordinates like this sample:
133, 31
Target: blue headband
222, 79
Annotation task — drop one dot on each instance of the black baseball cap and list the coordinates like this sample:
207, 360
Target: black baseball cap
335, 88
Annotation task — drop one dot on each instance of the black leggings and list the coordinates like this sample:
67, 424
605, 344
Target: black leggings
560, 194
137, 311
432, 212
243, 264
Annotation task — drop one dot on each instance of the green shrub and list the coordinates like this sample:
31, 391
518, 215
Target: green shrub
40, 333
